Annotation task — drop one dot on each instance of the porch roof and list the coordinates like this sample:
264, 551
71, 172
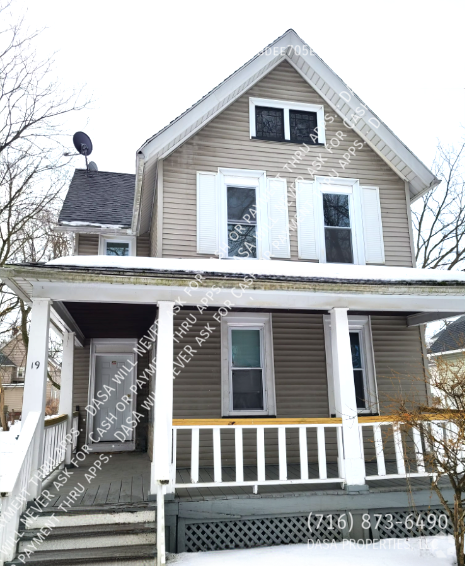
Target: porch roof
273, 270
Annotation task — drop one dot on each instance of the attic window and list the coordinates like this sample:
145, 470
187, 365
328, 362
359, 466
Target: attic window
269, 123
278, 120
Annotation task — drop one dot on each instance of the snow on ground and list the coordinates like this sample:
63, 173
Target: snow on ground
265, 268
428, 551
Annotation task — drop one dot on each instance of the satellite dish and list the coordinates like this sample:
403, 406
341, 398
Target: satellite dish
82, 143
92, 166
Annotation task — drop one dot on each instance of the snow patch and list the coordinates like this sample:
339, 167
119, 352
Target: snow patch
265, 268
425, 551
78, 223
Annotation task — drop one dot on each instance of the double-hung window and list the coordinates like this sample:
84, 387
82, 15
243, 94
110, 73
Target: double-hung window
338, 232
247, 365
280, 120
339, 221
363, 365
242, 221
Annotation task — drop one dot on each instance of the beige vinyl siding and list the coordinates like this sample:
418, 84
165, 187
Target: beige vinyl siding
143, 245
88, 244
225, 142
300, 381
399, 362
14, 398
81, 386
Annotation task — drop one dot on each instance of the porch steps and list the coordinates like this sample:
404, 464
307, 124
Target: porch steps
104, 538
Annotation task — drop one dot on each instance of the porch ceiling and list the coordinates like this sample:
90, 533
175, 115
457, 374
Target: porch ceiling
112, 320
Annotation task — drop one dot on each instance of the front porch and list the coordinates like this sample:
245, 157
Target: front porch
316, 426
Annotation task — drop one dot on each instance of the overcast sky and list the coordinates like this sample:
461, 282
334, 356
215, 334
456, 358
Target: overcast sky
145, 62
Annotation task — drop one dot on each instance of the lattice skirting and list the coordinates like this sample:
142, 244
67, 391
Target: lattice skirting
268, 531
263, 531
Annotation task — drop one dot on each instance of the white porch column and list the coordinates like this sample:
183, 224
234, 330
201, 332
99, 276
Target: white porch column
36, 379
66, 391
163, 422
345, 399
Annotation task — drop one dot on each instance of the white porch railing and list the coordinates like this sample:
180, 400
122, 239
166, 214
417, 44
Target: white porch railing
75, 427
393, 435
54, 444
14, 485
259, 426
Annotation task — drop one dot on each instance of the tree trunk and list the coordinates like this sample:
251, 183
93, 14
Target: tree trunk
3, 419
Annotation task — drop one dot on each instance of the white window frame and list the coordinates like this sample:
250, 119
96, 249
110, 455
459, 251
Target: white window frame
362, 325
103, 240
350, 187
251, 179
248, 321
105, 347
286, 106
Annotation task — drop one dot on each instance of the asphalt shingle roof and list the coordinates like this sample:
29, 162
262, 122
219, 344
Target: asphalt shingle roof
99, 198
5, 360
451, 338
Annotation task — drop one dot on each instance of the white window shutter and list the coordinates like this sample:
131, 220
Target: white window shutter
306, 220
207, 214
372, 225
278, 218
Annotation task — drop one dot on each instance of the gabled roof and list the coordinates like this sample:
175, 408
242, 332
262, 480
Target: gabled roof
451, 338
101, 199
290, 47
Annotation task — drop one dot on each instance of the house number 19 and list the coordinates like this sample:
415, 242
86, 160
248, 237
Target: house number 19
36, 364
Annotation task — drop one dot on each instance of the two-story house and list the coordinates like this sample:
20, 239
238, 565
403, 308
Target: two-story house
240, 316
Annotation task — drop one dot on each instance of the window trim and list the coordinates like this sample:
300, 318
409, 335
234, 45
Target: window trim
286, 106
251, 321
350, 187
103, 240
361, 324
248, 178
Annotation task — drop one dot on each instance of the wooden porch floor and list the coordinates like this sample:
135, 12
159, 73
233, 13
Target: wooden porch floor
125, 480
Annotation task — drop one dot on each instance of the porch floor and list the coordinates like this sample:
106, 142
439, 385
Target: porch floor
125, 480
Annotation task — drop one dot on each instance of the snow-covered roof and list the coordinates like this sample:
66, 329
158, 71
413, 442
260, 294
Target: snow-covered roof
267, 269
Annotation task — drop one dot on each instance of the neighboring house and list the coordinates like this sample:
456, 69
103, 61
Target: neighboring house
449, 346
267, 231
12, 374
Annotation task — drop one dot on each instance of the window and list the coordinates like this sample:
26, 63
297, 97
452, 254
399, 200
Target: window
338, 239
303, 126
362, 361
246, 369
279, 120
242, 222
114, 246
243, 214
358, 357
247, 365
269, 123
20, 372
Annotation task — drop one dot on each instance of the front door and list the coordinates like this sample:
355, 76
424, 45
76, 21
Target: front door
112, 414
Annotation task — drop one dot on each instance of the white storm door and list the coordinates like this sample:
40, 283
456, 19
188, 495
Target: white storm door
107, 373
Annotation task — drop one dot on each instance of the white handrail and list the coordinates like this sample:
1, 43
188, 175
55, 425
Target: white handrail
216, 429
14, 486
